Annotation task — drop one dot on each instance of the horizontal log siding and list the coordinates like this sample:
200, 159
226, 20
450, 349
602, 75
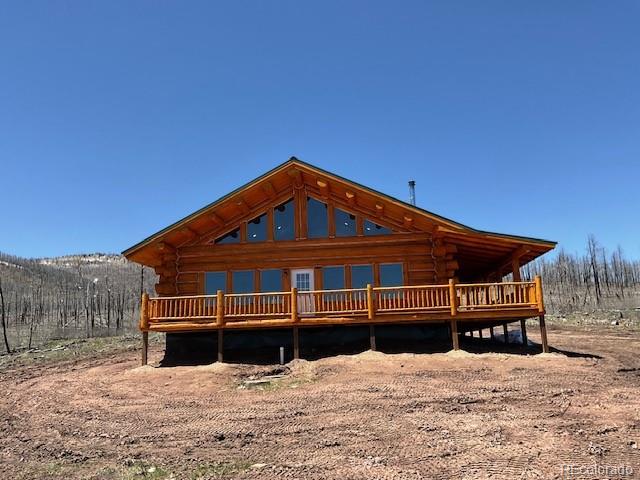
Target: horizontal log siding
412, 250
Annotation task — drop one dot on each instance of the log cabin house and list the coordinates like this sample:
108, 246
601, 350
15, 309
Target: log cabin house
301, 247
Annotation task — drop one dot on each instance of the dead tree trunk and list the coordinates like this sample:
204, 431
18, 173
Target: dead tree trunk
4, 321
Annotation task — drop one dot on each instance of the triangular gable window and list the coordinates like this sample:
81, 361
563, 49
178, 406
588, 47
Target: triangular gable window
371, 228
231, 237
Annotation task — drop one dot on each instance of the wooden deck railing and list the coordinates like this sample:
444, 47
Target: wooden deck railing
371, 302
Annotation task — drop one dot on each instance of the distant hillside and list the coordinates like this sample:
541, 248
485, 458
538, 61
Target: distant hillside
73, 295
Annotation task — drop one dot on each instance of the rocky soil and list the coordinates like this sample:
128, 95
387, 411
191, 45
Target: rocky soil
370, 415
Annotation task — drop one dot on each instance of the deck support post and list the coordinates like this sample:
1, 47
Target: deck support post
543, 335
455, 341
145, 347
480, 333
296, 343
372, 337
453, 302
220, 345
144, 326
492, 334
523, 331
505, 330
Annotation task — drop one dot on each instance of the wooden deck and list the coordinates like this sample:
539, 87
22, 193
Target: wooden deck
462, 302
466, 304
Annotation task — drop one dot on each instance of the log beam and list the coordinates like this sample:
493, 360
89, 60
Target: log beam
242, 205
267, 187
296, 175
324, 188
165, 247
351, 198
216, 219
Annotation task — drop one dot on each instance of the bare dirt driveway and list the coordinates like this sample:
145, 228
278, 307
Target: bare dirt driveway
371, 415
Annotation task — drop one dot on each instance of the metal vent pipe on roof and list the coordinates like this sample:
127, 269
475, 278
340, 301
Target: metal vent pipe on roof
412, 192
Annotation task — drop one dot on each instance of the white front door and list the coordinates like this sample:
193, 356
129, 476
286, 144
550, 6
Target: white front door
302, 279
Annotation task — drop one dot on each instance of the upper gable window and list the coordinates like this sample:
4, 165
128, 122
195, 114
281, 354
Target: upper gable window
345, 223
231, 237
257, 229
371, 228
317, 219
284, 221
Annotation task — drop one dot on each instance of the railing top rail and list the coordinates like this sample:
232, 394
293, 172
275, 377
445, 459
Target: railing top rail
347, 290
411, 287
488, 284
256, 294
183, 297
340, 290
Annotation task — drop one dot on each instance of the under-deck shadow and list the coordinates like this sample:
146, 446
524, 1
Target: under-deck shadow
486, 345
262, 347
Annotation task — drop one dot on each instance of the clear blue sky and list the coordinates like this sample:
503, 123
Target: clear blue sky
118, 118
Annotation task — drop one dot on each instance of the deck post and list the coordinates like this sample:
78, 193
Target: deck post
294, 305
523, 331
144, 312
220, 308
144, 326
370, 305
505, 330
480, 333
492, 334
220, 345
296, 343
453, 302
453, 298
543, 335
454, 334
145, 347
372, 337
539, 297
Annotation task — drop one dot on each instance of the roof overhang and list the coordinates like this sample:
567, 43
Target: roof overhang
476, 246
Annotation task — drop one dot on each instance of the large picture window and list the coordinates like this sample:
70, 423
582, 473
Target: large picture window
345, 223
214, 281
361, 275
242, 281
284, 221
271, 280
317, 219
391, 275
333, 278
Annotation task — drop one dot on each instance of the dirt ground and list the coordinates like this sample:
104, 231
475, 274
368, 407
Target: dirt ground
371, 415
